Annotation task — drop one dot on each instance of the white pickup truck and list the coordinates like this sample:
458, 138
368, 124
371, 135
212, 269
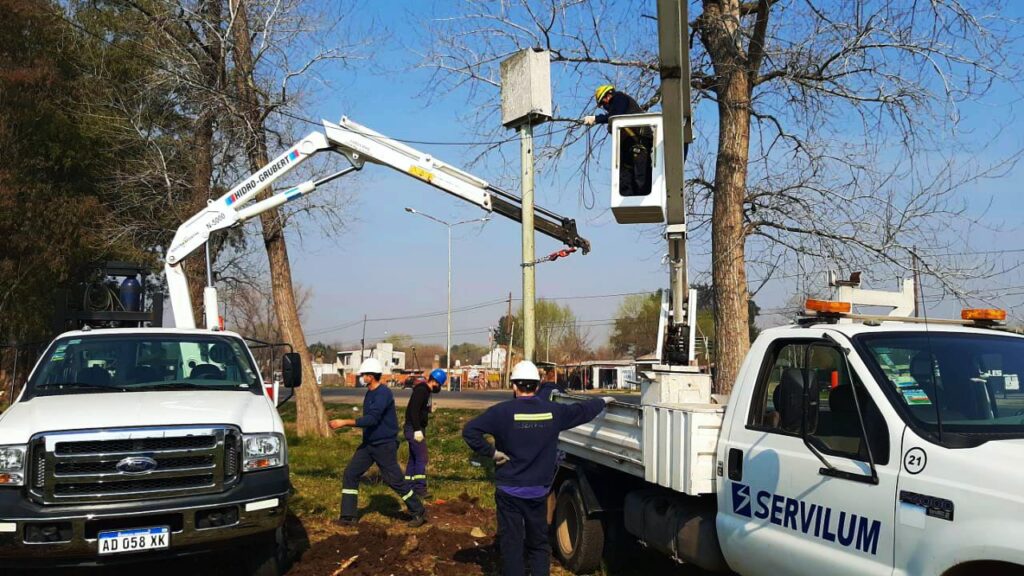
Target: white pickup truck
138, 444
882, 446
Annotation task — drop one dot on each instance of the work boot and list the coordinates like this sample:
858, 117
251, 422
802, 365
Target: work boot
345, 521
417, 520
423, 494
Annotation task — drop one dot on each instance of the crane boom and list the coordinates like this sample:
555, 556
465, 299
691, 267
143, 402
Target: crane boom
359, 145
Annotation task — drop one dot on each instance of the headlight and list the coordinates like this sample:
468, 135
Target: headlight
263, 451
12, 465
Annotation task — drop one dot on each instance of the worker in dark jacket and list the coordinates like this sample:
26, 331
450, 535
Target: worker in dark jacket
525, 432
416, 414
549, 382
380, 446
636, 144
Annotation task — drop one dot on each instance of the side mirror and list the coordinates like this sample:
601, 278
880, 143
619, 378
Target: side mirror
291, 370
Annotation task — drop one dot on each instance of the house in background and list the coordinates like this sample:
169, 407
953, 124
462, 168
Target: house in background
392, 360
593, 374
495, 359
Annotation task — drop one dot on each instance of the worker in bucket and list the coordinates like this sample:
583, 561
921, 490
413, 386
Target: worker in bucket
636, 143
417, 413
379, 446
525, 432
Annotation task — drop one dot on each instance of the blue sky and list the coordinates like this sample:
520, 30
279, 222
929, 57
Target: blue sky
364, 270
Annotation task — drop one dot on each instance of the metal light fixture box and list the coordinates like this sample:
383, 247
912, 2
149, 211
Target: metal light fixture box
526, 88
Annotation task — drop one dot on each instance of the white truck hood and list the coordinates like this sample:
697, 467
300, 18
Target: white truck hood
250, 412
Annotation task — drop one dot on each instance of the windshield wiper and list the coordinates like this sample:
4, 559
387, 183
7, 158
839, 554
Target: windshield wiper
182, 386
79, 386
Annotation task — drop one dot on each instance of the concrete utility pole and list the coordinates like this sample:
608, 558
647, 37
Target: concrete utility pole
525, 101
529, 272
362, 342
448, 340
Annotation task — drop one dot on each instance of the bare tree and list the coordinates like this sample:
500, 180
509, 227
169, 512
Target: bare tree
262, 33
228, 71
830, 141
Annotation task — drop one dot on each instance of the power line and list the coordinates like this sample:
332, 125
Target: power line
422, 315
467, 308
285, 113
980, 252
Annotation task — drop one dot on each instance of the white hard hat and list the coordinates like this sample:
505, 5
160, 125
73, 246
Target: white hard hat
525, 370
371, 366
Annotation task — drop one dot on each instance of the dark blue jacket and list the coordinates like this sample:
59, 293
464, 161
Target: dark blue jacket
620, 104
546, 388
379, 421
526, 429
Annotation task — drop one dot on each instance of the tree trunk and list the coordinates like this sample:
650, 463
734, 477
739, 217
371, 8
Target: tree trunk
718, 31
310, 418
202, 176
728, 237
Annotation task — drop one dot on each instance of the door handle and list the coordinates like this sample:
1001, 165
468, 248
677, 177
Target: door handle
735, 464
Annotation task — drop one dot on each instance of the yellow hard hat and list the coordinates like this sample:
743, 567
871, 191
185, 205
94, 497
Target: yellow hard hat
601, 91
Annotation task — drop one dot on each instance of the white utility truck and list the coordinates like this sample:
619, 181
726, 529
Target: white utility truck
131, 444
850, 444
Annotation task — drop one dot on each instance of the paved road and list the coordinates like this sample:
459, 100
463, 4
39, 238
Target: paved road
472, 399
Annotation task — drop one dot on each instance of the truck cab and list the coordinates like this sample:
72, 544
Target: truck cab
850, 444
892, 448
135, 444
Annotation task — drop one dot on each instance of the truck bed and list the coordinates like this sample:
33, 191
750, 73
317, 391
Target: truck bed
671, 445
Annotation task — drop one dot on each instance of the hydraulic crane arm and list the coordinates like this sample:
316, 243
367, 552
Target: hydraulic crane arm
360, 145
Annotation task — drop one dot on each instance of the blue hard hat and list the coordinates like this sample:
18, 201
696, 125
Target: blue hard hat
438, 375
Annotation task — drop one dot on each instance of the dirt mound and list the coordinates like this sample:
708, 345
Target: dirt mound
463, 506
445, 547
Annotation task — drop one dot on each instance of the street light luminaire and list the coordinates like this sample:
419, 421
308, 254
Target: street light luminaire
448, 342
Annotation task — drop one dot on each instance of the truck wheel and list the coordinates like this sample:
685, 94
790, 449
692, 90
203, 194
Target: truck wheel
579, 540
268, 556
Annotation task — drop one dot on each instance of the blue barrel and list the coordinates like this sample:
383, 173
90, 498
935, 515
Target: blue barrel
131, 294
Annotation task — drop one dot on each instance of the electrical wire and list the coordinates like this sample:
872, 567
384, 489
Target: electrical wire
281, 112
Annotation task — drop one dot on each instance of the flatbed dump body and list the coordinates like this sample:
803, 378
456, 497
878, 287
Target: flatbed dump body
670, 445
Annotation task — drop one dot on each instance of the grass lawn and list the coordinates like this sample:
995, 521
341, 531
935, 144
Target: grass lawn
317, 466
316, 469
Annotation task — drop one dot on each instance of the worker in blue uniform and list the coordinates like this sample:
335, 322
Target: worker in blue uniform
525, 432
417, 413
636, 143
380, 446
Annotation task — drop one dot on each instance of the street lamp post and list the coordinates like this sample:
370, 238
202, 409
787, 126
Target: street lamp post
448, 340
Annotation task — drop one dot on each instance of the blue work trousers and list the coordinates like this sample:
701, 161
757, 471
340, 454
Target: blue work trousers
385, 456
523, 535
416, 469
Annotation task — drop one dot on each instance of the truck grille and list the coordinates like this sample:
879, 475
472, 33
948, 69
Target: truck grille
83, 466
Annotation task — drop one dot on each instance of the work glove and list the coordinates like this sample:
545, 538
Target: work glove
500, 458
417, 436
589, 120
608, 400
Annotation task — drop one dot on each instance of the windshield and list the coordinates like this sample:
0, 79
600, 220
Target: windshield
966, 382
144, 362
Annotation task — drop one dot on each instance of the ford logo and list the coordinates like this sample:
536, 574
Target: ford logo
136, 465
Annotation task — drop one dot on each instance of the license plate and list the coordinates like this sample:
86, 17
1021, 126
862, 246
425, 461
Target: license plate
117, 541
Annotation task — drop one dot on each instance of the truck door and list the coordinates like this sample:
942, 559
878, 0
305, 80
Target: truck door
799, 495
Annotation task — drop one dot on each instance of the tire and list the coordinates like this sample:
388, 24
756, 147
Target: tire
267, 558
578, 541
